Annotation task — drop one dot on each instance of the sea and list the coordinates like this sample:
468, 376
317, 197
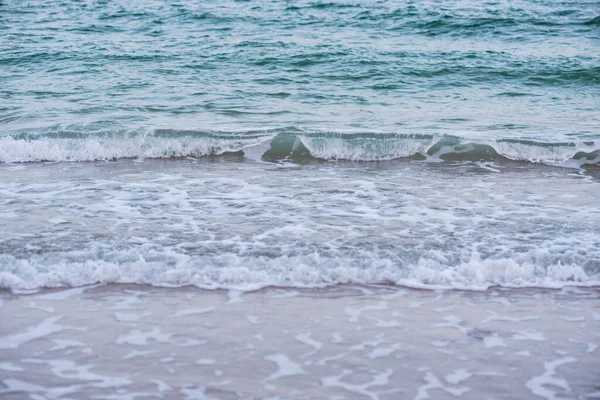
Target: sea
299, 199
299, 144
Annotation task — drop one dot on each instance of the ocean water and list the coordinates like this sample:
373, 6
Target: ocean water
244, 144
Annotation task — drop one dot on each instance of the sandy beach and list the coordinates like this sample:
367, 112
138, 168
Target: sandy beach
344, 342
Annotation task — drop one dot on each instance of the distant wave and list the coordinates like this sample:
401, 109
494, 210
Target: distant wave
290, 144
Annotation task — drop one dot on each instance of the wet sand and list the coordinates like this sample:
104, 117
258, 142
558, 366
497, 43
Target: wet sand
345, 342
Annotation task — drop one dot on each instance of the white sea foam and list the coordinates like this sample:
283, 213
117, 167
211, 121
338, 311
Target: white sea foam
307, 339
365, 149
8, 366
58, 146
246, 226
44, 328
549, 154
138, 338
94, 148
238, 273
542, 385
365, 389
193, 311
286, 367
493, 341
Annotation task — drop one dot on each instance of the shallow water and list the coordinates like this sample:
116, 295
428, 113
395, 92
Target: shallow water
230, 222
348, 342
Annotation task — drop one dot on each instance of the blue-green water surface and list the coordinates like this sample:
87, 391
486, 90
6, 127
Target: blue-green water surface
126, 73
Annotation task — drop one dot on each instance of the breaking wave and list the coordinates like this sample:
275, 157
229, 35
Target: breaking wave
292, 144
231, 271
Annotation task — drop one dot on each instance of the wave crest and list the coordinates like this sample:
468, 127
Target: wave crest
291, 144
231, 271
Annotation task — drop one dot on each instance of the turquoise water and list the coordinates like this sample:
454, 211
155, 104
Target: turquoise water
90, 72
449, 144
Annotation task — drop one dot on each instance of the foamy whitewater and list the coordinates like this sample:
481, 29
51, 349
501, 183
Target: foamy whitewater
230, 222
243, 145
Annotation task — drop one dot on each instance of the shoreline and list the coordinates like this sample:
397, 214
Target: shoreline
341, 286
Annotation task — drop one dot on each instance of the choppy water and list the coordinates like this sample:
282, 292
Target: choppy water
270, 98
